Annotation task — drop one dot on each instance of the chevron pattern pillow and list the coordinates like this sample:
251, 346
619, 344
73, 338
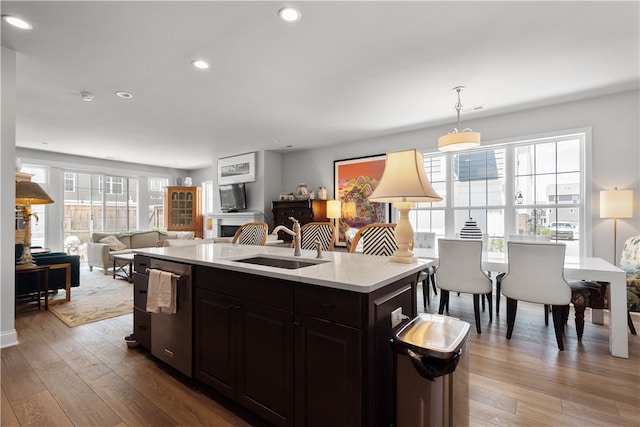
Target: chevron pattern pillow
310, 235
379, 241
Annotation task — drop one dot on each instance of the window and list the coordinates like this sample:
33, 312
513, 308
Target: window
548, 174
518, 188
478, 189
207, 199
69, 181
156, 202
111, 184
430, 217
99, 203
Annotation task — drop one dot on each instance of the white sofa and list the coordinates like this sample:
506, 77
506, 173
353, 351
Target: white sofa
101, 254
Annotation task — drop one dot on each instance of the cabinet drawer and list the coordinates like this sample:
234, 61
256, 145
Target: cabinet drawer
140, 285
142, 327
330, 304
141, 263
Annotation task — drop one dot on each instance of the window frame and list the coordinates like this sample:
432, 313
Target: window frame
510, 208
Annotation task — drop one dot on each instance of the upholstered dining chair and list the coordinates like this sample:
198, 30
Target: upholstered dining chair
375, 239
536, 275
324, 232
251, 233
518, 238
460, 270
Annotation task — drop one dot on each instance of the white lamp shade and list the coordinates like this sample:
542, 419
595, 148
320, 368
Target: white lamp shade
616, 204
404, 180
333, 208
456, 141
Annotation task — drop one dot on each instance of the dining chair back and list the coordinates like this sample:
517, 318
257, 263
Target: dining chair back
528, 238
536, 275
460, 270
324, 232
251, 233
377, 239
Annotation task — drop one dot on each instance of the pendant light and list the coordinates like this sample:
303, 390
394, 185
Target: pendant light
459, 139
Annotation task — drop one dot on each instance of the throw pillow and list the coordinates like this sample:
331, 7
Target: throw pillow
114, 243
185, 235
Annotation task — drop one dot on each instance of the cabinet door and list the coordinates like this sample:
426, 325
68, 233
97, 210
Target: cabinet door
216, 334
328, 374
265, 362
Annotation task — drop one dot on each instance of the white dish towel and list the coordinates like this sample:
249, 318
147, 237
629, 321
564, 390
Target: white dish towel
161, 293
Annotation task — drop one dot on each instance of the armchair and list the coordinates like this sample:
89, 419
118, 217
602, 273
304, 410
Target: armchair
630, 263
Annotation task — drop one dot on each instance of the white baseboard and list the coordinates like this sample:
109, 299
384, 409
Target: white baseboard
8, 338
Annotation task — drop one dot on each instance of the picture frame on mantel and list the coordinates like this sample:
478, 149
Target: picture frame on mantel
354, 181
237, 169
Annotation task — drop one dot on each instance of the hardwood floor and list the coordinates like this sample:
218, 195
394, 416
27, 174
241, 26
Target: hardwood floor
85, 376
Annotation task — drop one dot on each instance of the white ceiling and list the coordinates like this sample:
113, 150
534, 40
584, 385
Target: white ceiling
346, 71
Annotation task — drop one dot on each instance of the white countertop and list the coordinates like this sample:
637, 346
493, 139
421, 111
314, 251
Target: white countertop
352, 272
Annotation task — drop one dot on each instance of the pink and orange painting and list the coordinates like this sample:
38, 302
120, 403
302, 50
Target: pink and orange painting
355, 180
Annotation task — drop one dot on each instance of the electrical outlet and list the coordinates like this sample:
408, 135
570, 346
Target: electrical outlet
396, 317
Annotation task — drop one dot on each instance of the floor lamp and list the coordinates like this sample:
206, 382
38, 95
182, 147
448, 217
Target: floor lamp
404, 182
616, 204
27, 194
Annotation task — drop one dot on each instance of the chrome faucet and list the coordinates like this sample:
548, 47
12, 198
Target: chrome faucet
295, 233
318, 244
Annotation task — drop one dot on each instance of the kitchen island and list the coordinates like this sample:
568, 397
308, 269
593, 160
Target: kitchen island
299, 346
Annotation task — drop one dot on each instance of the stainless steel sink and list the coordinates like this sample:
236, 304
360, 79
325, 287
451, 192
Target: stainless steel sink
287, 263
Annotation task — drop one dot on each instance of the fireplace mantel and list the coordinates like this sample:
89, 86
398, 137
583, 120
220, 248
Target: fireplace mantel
215, 223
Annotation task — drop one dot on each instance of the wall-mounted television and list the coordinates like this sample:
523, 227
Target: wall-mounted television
233, 197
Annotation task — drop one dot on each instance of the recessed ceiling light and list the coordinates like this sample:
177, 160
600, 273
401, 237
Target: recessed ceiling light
86, 96
125, 95
17, 22
199, 63
289, 14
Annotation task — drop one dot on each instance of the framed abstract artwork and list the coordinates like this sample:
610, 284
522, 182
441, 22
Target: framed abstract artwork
354, 181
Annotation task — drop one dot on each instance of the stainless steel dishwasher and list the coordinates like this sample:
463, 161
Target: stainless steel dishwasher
171, 334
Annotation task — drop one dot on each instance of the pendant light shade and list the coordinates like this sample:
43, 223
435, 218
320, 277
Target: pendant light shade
459, 139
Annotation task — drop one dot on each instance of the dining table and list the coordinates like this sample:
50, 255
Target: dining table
576, 268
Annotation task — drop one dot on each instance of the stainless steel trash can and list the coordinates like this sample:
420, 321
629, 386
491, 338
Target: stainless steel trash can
431, 360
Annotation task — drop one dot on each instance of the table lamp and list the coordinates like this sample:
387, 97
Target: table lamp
27, 194
334, 210
616, 204
404, 182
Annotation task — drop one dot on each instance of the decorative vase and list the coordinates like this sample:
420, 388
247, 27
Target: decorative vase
471, 230
302, 192
322, 193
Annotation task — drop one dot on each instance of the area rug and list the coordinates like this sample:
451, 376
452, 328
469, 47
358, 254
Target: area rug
97, 298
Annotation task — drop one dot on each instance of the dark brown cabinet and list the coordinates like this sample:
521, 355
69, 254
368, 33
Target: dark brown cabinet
328, 372
304, 211
244, 348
